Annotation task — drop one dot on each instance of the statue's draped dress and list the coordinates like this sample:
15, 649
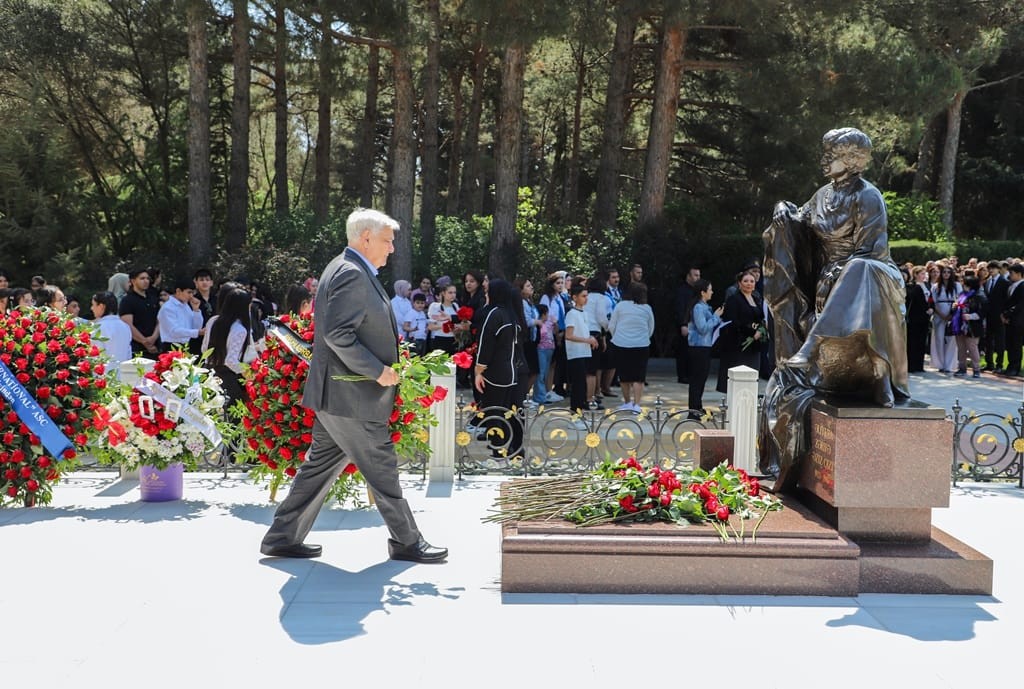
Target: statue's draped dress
838, 302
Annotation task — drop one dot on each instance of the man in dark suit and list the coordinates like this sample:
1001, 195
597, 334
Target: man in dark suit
685, 296
994, 341
355, 336
1013, 318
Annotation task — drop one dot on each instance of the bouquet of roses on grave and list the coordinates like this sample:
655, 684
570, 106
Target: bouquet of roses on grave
276, 429
173, 414
412, 416
626, 491
53, 380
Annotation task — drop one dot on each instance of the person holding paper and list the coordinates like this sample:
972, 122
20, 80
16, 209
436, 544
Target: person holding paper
701, 327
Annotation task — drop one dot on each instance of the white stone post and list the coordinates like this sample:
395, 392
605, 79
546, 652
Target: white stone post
442, 436
741, 417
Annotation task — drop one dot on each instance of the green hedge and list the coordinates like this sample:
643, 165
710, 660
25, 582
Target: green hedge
920, 252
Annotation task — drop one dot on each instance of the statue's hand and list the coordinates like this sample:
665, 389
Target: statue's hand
783, 211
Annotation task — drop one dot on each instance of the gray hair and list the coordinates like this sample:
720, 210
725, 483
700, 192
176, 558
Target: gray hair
362, 219
850, 145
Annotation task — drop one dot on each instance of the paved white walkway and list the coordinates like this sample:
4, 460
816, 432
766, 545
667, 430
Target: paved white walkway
99, 590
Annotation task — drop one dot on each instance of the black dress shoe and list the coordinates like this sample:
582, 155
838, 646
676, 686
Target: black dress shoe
295, 550
420, 551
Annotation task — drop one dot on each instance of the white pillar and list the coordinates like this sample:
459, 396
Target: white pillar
442, 436
741, 417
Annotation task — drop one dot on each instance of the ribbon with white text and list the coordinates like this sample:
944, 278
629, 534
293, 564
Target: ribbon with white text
31, 414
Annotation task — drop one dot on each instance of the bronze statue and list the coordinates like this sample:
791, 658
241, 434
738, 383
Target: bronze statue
837, 300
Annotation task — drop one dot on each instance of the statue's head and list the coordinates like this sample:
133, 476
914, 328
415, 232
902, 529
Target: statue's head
850, 146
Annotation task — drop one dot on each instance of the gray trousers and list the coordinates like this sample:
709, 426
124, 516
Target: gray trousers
337, 441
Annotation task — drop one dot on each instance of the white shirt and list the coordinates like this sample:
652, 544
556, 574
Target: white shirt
577, 320
178, 322
437, 309
117, 338
401, 306
237, 335
417, 321
632, 324
598, 309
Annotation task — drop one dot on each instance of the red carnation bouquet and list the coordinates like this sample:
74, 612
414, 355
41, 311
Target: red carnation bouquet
276, 429
53, 380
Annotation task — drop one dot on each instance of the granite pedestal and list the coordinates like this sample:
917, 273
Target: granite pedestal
874, 474
860, 522
795, 553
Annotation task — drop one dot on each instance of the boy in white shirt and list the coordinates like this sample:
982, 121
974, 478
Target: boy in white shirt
415, 326
579, 345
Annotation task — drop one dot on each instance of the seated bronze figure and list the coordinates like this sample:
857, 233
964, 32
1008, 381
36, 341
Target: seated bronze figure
837, 300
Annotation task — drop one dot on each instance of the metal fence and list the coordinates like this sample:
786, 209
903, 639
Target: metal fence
552, 440
987, 446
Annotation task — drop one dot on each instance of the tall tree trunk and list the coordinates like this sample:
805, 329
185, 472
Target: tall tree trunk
570, 201
281, 201
238, 177
551, 200
200, 225
451, 206
368, 133
663, 122
472, 172
322, 166
504, 243
403, 160
947, 175
429, 176
924, 174
606, 202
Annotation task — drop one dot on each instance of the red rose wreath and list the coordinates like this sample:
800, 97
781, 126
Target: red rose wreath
53, 380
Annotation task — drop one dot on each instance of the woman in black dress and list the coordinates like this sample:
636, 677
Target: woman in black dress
919, 319
743, 337
501, 376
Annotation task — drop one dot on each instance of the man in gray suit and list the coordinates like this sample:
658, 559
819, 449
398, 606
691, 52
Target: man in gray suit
354, 336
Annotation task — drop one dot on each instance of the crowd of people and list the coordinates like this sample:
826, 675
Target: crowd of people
572, 338
568, 342
965, 315
138, 316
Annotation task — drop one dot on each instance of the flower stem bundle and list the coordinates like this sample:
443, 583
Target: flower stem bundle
626, 491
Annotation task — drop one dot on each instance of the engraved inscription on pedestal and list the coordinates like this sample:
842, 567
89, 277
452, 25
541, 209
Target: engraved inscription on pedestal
818, 473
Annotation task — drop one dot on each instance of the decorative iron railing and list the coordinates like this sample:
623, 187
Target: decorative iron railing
987, 446
552, 440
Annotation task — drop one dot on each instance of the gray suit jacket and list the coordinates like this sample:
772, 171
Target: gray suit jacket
354, 335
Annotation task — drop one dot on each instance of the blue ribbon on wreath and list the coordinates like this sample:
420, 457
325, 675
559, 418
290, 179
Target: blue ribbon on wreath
31, 414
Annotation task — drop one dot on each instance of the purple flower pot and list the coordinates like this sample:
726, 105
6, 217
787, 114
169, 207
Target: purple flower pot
161, 485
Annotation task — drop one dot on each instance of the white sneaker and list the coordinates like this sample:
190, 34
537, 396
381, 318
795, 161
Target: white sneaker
635, 408
625, 406
579, 425
554, 397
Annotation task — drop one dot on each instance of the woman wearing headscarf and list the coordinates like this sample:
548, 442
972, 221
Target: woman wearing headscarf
501, 376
